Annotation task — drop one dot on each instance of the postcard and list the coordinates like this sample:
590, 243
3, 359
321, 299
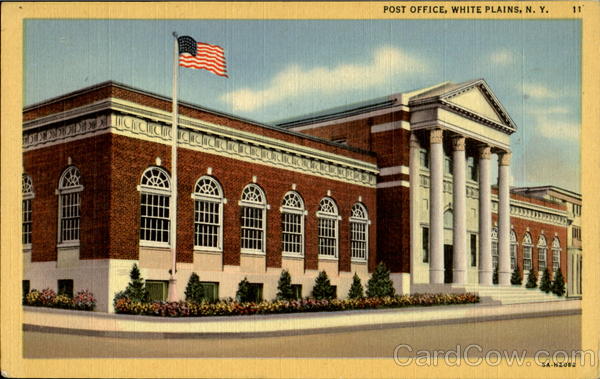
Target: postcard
302, 189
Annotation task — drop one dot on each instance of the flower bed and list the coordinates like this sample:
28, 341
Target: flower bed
232, 308
83, 300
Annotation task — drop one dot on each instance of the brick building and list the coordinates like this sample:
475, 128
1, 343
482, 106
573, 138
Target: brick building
337, 191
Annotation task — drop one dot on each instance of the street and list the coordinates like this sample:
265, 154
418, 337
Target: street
526, 334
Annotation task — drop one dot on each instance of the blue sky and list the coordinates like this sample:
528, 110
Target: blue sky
280, 69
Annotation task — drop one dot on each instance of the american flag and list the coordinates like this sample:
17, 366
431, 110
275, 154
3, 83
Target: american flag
201, 55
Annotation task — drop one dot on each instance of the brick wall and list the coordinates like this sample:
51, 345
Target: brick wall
522, 226
131, 157
92, 157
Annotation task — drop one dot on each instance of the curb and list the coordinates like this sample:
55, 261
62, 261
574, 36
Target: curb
437, 318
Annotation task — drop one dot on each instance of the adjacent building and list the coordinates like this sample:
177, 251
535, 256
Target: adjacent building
404, 179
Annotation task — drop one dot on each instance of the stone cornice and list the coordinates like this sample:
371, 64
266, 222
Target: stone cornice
215, 139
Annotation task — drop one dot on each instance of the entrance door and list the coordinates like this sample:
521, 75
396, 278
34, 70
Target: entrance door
448, 263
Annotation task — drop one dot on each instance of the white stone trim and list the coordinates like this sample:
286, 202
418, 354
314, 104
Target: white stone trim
395, 183
360, 116
393, 170
207, 137
388, 126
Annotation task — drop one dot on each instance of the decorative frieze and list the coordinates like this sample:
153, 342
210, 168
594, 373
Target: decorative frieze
57, 134
200, 140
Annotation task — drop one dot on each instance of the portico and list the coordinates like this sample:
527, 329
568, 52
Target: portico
453, 125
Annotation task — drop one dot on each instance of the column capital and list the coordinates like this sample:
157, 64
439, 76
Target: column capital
458, 143
414, 140
436, 136
485, 152
504, 158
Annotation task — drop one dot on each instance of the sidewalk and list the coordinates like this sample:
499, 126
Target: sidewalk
130, 326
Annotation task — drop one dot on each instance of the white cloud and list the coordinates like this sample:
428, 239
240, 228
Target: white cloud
555, 110
296, 80
502, 57
563, 130
537, 91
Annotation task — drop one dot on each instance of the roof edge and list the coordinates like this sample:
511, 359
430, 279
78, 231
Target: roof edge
111, 83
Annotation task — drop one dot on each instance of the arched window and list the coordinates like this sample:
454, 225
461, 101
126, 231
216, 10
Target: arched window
155, 188
69, 205
328, 219
27, 185
208, 214
359, 232
555, 254
527, 247
292, 224
253, 221
494, 248
513, 249
542, 248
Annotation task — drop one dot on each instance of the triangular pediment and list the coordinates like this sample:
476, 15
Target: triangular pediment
473, 98
476, 101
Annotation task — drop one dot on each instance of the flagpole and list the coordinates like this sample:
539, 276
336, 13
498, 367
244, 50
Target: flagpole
174, 134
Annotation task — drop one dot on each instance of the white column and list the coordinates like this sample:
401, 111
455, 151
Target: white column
504, 219
485, 218
459, 199
436, 207
415, 235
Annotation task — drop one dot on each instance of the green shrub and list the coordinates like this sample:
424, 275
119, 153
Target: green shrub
516, 277
558, 285
380, 284
545, 283
356, 289
194, 291
136, 289
243, 293
284, 287
323, 288
531, 279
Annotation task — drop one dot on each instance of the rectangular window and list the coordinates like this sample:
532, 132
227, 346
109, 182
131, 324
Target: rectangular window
334, 288
297, 290
424, 158
576, 233
327, 237
471, 169
473, 239
210, 291
69, 216
494, 254
555, 259
358, 240
65, 287
255, 292
425, 244
154, 223
542, 259
27, 222
448, 166
291, 233
26, 284
513, 255
252, 228
157, 289
527, 257
207, 223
